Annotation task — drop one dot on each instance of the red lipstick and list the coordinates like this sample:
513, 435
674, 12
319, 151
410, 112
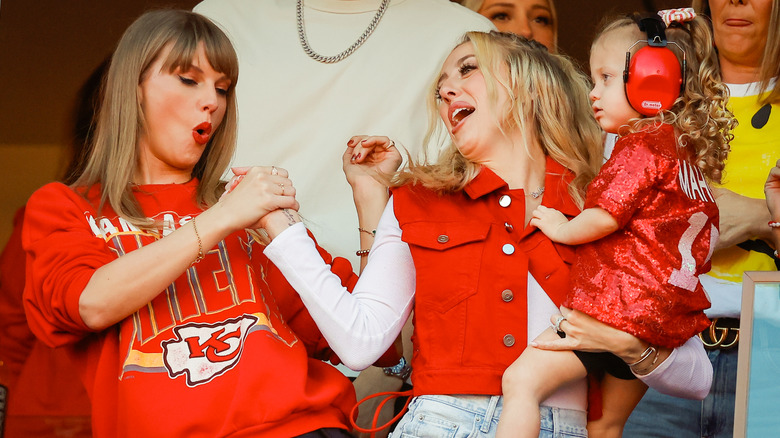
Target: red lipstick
202, 133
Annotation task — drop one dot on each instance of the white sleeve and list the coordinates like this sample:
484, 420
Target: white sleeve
362, 325
686, 373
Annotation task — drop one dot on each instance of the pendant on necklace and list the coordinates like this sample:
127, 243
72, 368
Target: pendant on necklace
537, 193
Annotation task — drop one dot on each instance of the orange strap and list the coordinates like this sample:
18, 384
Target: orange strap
390, 395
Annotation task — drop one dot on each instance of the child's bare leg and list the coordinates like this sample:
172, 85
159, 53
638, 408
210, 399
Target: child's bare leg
533, 377
619, 398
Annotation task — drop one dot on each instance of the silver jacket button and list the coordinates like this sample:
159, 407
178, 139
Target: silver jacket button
508, 249
504, 201
443, 238
509, 340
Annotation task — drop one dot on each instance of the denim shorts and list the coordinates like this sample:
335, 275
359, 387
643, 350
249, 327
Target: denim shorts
444, 416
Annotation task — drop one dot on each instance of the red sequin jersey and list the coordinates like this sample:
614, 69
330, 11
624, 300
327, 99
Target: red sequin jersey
643, 278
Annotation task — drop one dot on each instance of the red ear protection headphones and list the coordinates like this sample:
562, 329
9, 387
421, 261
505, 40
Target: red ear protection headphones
653, 77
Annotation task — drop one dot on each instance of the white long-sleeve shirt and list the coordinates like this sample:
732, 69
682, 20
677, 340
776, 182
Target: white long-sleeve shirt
362, 325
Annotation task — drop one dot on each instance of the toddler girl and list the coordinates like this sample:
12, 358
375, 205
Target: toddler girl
650, 220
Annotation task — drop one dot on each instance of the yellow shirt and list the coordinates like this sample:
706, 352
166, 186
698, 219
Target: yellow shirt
754, 150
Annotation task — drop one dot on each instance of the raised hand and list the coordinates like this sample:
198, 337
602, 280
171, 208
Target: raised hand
370, 156
254, 192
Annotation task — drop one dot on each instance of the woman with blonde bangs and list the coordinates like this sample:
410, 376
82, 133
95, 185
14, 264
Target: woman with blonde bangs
152, 282
532, 19
112, 163
454, 245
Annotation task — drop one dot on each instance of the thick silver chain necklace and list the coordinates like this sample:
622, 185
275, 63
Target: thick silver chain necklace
336, 58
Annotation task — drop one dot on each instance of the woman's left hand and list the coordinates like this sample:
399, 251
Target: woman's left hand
585, 333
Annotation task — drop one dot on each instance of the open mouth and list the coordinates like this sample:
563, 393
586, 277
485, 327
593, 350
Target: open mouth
459, 114
202, 133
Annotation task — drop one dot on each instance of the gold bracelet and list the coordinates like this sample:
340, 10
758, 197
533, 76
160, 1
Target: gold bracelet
370, 233
362, 252
200, 244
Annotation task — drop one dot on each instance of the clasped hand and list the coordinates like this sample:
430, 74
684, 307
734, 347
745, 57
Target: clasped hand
254, 192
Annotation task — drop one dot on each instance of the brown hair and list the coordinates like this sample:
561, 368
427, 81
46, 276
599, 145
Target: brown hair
121, 119
770, 60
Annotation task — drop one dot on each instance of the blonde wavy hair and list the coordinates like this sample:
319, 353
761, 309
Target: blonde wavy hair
700, 115
547, 98
770, 59
121, 118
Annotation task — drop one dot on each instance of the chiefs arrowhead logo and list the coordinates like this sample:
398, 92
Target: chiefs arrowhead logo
204, 351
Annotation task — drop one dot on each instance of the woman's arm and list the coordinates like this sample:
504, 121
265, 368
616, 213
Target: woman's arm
121, 287
360, 326
741, 218
683, 372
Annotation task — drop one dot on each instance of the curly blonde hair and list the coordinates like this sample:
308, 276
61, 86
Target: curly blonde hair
700, 115
547, 96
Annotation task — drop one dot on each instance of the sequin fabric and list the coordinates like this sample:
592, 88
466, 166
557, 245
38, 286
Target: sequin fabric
643, 278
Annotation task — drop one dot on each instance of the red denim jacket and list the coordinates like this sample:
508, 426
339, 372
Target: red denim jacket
472, 257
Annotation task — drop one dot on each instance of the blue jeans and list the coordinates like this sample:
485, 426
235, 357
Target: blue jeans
659, 415
443, 416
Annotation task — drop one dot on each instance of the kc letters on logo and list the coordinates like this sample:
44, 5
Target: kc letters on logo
204, 351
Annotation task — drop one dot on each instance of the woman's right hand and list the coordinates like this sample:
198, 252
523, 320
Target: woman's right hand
369, 156
254, 192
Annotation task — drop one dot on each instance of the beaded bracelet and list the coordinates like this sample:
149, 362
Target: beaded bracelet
774, 224
362, 252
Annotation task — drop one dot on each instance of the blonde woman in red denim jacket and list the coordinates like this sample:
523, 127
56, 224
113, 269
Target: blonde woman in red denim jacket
453, 244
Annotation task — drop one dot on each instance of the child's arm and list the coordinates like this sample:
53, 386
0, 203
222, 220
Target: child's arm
592, 224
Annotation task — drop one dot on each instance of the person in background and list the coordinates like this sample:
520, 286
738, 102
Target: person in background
650, 196
46, 397
533, 19
747, 38
454, 243
321, 71
144, 269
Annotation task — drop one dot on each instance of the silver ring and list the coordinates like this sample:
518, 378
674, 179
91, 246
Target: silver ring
274, 171
557, 325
